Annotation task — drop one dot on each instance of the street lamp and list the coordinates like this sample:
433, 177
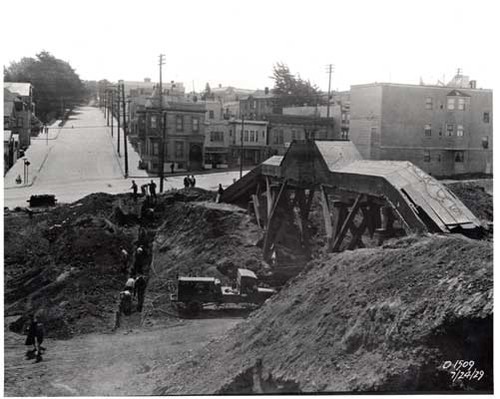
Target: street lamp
26, 170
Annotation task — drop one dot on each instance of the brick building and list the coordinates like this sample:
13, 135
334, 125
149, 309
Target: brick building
444, 130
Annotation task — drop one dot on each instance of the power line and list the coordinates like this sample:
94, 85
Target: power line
163, 123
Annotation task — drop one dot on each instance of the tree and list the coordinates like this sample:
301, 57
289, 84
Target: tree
56, 84
292, 90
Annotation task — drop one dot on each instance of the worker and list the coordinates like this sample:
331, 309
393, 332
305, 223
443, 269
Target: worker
152, 189
126, 302
35, 336
220, 191
124, 256
129, 285
187, 182
139, 289
172, 166
144, 189
134, 190
192, 181
139, 259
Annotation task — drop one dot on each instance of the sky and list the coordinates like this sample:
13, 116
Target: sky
236, 43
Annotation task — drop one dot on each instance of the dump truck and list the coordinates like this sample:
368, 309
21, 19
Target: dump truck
192, 293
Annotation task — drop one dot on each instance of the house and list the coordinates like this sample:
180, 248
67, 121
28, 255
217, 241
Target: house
443, 129
185, 133
10, 149
249, 139
283, 129
257, 105
228, 93
21, 96
217, 141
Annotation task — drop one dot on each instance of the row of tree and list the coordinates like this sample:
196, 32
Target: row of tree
56, 84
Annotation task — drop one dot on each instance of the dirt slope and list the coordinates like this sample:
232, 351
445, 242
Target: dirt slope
382, 319
475, 198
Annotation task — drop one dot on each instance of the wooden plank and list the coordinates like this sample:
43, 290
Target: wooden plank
256, 206
357, 233
267, 238
327, 217
269, 195
346, 225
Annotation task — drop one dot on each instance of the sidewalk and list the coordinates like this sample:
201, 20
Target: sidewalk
37, 153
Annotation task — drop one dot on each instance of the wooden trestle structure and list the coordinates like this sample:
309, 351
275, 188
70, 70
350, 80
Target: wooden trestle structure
368, 197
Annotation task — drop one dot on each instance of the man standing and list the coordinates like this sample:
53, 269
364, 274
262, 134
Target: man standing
193, 181
134, 190
129, 285
139, 290
220, 191
187, 182
152, 189
35, 337
139, 259
124, 256
172, 168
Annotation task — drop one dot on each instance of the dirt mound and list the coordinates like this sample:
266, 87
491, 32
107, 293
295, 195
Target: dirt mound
384, 319
475, 198
65, 265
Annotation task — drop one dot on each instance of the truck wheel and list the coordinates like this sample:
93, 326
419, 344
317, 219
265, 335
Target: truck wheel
194, 308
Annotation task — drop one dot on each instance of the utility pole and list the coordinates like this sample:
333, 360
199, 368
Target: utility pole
111, 102
329, 70
241, 144
118, 118
125, 129
163, 124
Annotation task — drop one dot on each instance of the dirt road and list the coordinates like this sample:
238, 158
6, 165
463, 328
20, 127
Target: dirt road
128, 362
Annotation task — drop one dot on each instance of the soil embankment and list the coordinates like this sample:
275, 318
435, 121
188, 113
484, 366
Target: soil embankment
382, 320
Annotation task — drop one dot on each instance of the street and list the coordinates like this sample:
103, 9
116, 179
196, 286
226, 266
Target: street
82, 159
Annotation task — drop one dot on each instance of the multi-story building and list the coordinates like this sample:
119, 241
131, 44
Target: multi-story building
258, 105
283, 129
249, 139
228, 93
444, 130
185, 133
217, 141
21, 96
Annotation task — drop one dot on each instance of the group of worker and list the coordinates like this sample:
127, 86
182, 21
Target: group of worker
135, 286
147, 190
189, 181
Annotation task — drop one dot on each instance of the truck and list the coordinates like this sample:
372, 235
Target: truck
192, 293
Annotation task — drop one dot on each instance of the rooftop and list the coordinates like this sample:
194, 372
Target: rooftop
22, 89
374, 84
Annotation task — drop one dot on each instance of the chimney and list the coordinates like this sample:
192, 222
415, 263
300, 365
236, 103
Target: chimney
472, 84
266, 90
147, 80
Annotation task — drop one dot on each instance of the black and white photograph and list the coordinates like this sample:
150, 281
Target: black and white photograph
234, 197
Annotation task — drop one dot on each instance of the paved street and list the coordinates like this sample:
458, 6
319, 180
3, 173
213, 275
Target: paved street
82, 159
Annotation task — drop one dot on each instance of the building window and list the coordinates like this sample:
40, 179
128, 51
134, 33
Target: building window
179, 149
211, 114
461, 104
486, 117
245, 137
153, 121
252, 136
428, 131
440, 133
294, 134
428, 103
427, 156
485, 142
280, 136
156, 148
216, 136
256, 135
459, 156
439, 157
451, 104
460, 131
449, 129
20, 121
179, 123
196, 124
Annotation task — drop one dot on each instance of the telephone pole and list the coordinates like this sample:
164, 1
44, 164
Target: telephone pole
118, 117
125, 129
329, 70
110, 105
241, 146
163, 124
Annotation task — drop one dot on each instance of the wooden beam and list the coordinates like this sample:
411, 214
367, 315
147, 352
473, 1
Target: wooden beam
327, 217
346, 224
357, 232
267, 238
256, 206
269, 195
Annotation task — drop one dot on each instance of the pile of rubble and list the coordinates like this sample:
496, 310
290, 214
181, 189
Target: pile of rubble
380, 319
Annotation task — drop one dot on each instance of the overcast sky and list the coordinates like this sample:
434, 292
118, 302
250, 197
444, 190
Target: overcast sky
237, 42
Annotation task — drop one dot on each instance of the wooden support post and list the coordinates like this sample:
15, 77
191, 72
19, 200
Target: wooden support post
342, 213
269, 233
256, 206
357, 232
346, 224
269, 195
327, 217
